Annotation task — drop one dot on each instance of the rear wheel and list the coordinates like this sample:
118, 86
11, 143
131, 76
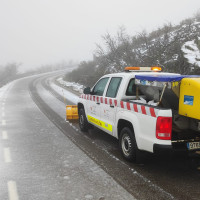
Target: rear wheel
83, 123
128, 144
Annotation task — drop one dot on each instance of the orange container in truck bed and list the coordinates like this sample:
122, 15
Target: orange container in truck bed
71, 112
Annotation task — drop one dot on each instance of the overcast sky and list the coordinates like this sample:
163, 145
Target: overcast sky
38, 32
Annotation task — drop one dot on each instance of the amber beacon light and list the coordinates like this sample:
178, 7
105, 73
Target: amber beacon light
155, 68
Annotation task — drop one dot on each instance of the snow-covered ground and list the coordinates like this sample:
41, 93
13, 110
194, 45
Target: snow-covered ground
75, 86
66, 94
5, 88
192, 53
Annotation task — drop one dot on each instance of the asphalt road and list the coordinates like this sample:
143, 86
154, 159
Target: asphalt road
45, 157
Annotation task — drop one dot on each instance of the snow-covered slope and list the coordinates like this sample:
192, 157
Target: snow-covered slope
176, 48
191, 52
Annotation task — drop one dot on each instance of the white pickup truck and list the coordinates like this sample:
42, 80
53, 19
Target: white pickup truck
141, 107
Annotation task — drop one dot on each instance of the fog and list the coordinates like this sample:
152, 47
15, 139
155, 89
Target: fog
39, 32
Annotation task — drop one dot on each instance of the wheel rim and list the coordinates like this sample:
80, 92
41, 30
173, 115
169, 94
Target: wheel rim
81, 120
126, 144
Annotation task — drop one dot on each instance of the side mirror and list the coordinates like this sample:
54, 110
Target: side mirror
87, 90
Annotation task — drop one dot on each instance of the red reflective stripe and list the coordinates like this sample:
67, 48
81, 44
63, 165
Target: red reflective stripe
97, 99
128, 106
91, 98
110, 101
135, 107
143, 110
152, 111
122, 105
106, 101
115, 101
101, 99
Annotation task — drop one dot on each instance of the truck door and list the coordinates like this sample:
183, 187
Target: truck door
108, 110
93, 104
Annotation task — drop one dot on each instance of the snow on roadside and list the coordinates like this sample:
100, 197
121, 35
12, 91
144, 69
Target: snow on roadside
191, 52
75, 86
66, 94
5, 88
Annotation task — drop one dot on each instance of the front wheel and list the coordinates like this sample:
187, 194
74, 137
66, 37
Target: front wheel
128, 144
83, 123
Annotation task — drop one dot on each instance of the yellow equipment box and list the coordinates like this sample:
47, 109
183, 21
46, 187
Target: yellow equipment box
71, 112
189, 101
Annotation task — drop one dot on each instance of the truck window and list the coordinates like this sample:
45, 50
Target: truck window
100, 86
113, 87
131, 90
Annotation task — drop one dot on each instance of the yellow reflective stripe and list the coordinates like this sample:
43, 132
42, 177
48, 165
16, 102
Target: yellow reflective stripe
100, 123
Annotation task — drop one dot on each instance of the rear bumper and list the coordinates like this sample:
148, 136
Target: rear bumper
160, 148
175, 147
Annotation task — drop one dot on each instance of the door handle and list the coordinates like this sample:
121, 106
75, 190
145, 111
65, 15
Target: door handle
112, 106
98, 103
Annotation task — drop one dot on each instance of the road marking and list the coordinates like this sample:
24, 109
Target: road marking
7, 157
12, 190
4, 135
3, 122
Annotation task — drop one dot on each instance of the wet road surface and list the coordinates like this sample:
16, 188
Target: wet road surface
39, 162
45, 157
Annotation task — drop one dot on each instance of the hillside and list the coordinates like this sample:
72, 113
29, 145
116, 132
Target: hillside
174, 47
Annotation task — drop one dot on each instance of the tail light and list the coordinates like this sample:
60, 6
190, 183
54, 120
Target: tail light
164, 128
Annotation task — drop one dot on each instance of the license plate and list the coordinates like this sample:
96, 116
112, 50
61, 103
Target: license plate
193, 145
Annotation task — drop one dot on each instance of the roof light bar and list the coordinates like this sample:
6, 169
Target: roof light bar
145, 69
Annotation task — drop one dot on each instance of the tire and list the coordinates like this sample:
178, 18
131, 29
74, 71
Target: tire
83, 123
128, 145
